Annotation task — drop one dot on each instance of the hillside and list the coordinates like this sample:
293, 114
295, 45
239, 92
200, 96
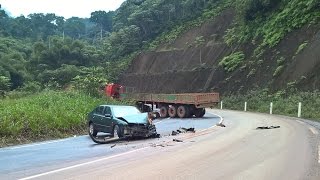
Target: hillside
277, 48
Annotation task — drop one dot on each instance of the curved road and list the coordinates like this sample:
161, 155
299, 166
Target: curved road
238, 151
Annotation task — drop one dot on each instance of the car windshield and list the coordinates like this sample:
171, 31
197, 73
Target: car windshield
121, 111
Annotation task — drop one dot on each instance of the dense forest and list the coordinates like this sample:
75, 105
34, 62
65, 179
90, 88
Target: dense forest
47, 51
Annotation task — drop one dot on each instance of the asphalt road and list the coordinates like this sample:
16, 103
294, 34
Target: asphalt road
237, 151
26, 160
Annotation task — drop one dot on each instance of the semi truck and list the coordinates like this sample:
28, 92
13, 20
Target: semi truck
184, 105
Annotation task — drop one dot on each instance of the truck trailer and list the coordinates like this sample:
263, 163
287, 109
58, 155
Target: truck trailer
184, 105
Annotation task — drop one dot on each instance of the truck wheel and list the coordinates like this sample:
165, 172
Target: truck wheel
172, 111
199, 112
164, 111
183, 111
92, 131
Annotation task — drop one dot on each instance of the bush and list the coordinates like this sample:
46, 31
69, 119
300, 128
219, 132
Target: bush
231, 62
46, 115
301, 47
278, 71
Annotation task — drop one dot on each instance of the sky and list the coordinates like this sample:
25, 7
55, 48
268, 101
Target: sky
65, 8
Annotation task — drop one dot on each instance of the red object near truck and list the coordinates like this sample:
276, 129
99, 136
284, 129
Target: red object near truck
182, 105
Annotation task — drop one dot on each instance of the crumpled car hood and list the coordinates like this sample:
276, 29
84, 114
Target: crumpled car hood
136, 119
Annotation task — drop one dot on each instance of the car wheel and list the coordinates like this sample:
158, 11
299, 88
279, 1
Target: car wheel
117, 133
92, 130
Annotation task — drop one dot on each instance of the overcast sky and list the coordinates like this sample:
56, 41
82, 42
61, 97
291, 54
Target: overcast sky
65, 8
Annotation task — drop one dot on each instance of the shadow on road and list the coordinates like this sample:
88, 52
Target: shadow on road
105, 139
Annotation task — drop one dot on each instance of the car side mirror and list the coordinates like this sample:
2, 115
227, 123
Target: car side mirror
108, 115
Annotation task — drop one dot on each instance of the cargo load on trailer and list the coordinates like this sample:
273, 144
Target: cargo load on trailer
182, 105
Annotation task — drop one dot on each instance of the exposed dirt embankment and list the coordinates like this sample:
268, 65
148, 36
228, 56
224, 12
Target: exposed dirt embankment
185, 66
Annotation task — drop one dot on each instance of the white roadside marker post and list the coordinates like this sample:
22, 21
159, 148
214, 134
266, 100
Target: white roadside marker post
271, 106
221, 105
245, 106
299, 110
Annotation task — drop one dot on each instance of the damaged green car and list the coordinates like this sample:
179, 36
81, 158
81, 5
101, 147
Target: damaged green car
119, 122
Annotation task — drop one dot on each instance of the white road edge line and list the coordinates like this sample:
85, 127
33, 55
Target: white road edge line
319, 154
315, 132
157, 122
220, 122
300, 122
82, 164
37, 144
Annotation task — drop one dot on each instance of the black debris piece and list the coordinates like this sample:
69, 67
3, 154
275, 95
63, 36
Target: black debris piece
177, 140
221, 125
183, 130
113, 146
268, 127
191, 130
174, 133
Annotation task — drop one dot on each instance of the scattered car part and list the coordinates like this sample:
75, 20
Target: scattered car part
177, 140
113, 146
221, 125
268, 127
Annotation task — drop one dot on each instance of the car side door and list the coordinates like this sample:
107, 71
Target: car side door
107, 120
97, 118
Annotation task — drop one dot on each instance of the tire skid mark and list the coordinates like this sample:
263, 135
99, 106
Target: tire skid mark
300, 122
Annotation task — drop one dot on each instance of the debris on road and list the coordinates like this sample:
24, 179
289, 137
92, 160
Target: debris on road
183, 130
221, 125
156, 145
177, 140
113, 146
268, 127
174, 133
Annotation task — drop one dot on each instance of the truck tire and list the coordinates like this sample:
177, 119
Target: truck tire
199, 113
172, 111
183, 111
164, 111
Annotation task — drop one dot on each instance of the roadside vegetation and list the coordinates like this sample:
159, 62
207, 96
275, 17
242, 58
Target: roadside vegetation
45, 115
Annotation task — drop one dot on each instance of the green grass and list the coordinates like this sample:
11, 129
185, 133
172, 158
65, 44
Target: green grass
232, 62
282, 104
273, 26
46, 115
301, 47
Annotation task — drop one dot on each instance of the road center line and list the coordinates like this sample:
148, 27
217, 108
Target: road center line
82, 164
300, 122
315, 132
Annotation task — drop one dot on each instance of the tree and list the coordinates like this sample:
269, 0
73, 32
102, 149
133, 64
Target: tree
102, 19
4, 83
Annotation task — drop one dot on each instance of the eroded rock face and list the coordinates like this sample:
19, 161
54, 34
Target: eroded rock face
183, 67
